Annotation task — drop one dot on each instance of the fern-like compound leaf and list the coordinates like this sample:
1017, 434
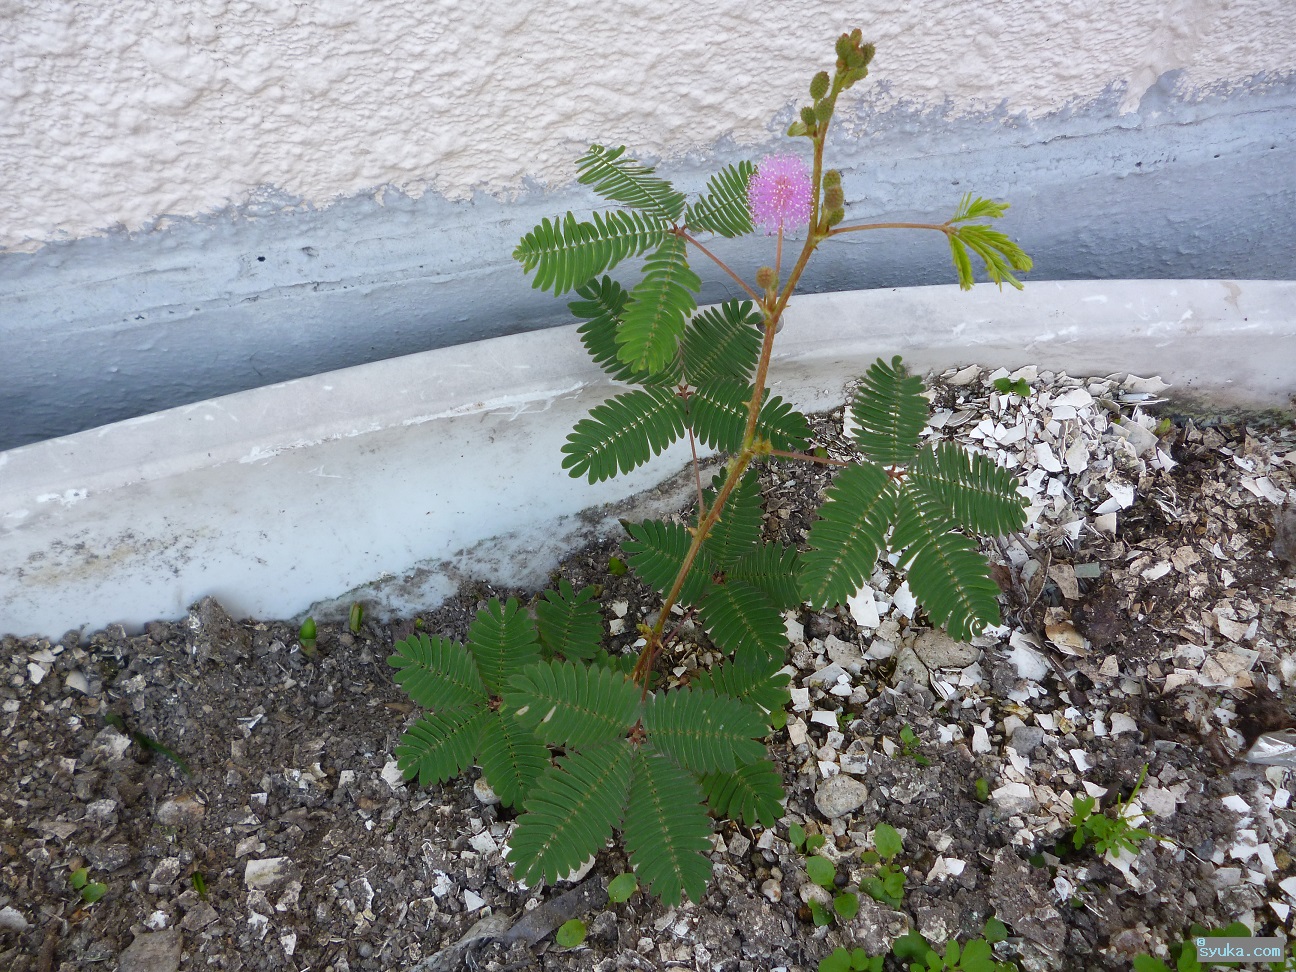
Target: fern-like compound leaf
848, 536
569, 621
441, 746
511, 757
962, 262
502, 638
437, 673
737, 531
570, 812
976, 493
773, 568
667, 830
623, 433
757, 680
625, 180
600, 308
566, 252
722, 342
653, 320
969, 208
999, 254
717, 414
656, 551
572, 705
947, 574
889, 412
724, 210
750, 794
740, 618
703, 731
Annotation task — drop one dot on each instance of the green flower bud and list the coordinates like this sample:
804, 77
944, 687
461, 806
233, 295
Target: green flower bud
868, 50
835, 216
834, 198
796, 128
823, 110
808, 116
765, 278
843, 45
832, 178
856, 36
819, 85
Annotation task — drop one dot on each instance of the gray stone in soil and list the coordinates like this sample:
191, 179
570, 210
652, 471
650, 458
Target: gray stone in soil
1026, 739
876, 927
936, 649
212, 635
153, 952
12, 920
839, 795
1019, 895
909, 667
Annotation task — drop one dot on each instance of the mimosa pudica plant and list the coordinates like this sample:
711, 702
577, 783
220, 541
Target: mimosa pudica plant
580, 740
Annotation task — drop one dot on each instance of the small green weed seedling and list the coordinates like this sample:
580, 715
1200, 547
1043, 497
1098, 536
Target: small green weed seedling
356, 618
1108, 832
823, 872
580, 739
977, 955
981, 790
571, 933
307, 635
1184, 955
1018, 387
621, 887
147, 742
200, 884
90, 891
909, 743
803, 844
887, 884
855, 960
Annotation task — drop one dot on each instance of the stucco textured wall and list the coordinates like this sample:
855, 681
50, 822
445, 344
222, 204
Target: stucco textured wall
210, 195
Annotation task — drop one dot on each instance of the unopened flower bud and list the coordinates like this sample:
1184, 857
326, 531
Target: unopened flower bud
823, 110
832, 178
834, 198
765, 278
819, 85
868, 50
808, 116
856, 36
835, 216
843, 45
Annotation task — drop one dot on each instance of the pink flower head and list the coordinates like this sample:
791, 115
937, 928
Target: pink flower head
779, 194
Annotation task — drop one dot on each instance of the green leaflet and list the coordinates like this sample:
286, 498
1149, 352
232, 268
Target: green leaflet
511, 758
570, 623
848, 536
890, 412
717, 413
653, 320
947, 573
722, 342
502, 639
623, 433
619, 179
437, 673
724, 209
737, 531
573, 705
974, 492
571, 812
702, 731
759, 682
741, 619
750, 794
601, 308
667, 830
656, 550
567, 252
441, 746
773, 568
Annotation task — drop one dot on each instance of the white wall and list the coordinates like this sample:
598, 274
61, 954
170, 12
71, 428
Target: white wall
204, 196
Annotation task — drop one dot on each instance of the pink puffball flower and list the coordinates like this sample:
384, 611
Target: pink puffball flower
779, 194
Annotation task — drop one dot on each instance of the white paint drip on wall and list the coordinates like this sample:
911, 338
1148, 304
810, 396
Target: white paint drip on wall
130, 113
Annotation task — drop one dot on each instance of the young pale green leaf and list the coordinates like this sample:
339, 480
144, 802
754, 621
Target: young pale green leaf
977, 956
848, 536
572, 705
995, 930
738, 530
571, 812
889, 412
820, 870
750, 794
656, 551
722, 342
667, 830
846, 905
962, 263
947, 574
999, 254
502, 639
977, 494
717, 413
623, 433
624, 180
567, 252
886, 839
571, 933
511, 757
702, 731
570, 622
773, 568
724, 209
740, 618
601, 308
621, 887
440, 746
437, 673
653, 320
978, 208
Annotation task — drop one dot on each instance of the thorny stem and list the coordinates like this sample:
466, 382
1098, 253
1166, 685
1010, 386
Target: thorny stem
723, 266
